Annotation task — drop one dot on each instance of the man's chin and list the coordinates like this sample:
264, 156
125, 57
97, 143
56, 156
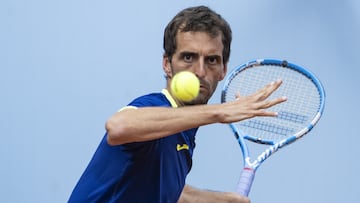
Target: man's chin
200, 99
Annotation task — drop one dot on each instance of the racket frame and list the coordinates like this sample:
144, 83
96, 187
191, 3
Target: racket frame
250, 166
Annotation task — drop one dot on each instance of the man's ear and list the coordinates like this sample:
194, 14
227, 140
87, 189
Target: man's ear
167, 66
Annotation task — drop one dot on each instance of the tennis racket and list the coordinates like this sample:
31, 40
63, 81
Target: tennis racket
296, 117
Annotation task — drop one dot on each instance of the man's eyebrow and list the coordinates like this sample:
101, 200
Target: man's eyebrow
187, 53
194, 55
214, 56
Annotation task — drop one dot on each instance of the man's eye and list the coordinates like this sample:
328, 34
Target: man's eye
187, 58
212, 60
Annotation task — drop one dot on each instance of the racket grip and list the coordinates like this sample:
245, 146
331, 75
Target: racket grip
246, 178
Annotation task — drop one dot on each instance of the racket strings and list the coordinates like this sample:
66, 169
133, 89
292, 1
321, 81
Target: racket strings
267, 127
294, 114
296, 118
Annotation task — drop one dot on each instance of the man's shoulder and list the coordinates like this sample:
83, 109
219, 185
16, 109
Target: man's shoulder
151, 99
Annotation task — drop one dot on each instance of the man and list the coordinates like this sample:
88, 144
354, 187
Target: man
146, 152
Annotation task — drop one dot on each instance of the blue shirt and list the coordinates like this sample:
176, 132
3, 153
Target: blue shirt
150, 172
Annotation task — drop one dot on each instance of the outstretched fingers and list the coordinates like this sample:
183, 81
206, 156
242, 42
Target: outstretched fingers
262, 96
266, 91
263, 105
257, 104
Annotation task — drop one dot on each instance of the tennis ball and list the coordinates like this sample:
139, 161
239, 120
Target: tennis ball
185, 86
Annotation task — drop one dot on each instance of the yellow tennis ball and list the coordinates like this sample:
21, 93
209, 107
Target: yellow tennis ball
185, 86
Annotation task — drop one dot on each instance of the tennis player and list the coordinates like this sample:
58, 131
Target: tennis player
147, 150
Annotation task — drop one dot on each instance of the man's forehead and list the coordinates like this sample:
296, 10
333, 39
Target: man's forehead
199, 40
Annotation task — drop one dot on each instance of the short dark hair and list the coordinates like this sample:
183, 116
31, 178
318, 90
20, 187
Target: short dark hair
197, 19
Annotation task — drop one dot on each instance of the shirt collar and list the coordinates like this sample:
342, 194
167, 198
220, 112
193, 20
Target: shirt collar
170, 98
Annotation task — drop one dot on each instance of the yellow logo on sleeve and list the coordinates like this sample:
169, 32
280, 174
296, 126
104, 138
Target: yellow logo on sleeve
181, 147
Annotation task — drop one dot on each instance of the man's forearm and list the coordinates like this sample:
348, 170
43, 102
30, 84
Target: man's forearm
149, 123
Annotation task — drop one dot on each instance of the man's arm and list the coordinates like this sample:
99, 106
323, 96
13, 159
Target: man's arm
194, 195
149, 123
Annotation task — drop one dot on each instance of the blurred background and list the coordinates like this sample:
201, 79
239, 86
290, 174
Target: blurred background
66, 66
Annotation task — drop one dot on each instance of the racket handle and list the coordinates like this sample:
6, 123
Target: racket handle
245, 182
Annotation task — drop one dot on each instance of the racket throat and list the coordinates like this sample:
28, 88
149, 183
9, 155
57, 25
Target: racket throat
251, 165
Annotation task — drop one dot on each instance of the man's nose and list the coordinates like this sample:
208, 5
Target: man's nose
200, 70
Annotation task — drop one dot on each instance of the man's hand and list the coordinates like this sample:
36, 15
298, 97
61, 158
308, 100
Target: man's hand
245, 107
193, 195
